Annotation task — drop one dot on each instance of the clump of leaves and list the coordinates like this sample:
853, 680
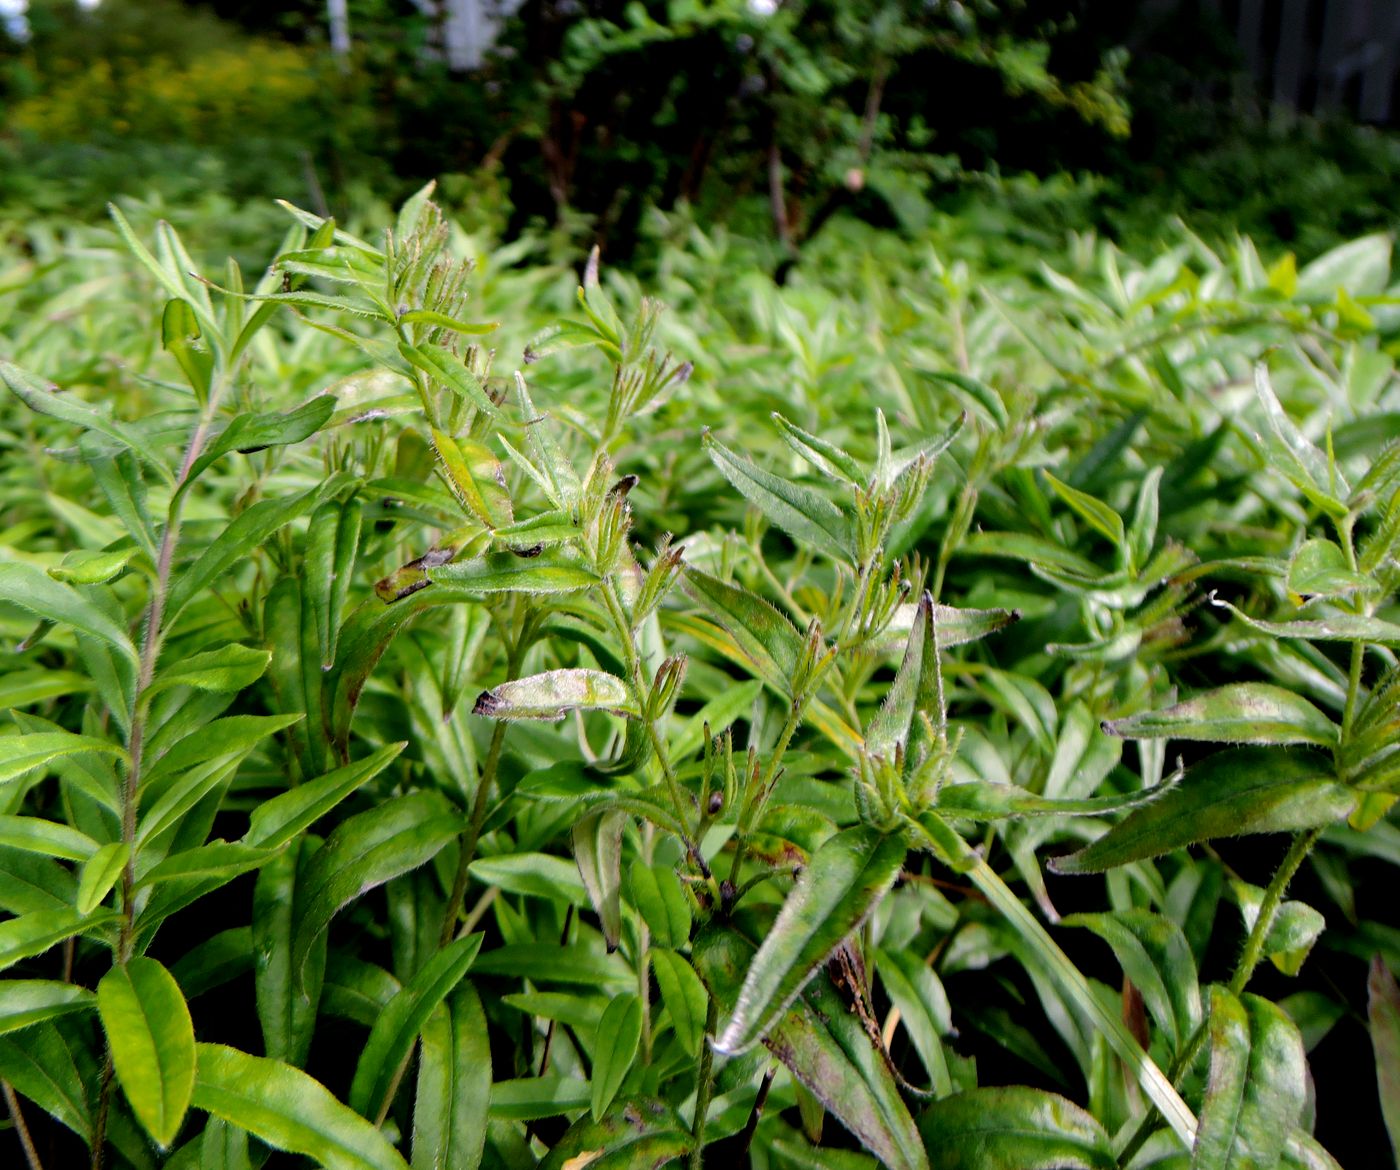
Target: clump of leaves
384, 787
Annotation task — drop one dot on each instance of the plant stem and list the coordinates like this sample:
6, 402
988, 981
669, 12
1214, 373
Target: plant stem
703, 1087
1268, 908
472, 833
31, 1155
1244, 970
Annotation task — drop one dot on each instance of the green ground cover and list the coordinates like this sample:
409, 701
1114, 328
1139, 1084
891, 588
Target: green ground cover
939, 710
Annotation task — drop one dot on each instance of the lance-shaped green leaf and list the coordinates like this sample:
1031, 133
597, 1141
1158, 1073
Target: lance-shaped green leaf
552, 695
366, 851
288, 1110
634, 1134
1230, 794
287, 998
508, 573
229, 668
802, 513
1238, 713
40, 1065
1154, 954
614, 1049
1383, 1012
842, 884
453, 1093
443, 321
826, 1047
45, 398
763, 633
276, 821
151, 1037
35, 932
956, 626
447, 369
1341, 627
986, 800
889, 730
397, 1027
332, 542
924, 1011
254, 432
245, 534
1094, 512
1256, 1085
32, 589
530, 1098
474, 475
100, 873
546, 463
824, 456
49, 838
29, 1001
1295, 456
1014, 1128
684, 997
223, 860
597, 841
23, 753
659, 899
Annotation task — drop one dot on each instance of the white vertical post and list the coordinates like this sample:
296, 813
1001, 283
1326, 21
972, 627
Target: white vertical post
338, 17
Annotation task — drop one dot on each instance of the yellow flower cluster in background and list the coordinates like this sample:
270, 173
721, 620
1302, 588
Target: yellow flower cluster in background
216, 98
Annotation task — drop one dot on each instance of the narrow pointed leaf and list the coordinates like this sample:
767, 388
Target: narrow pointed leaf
245, 534
453, 1093
446, 368
29, 1001
276, 821
99, 874
844, 881
366, 851
1014, 1128
1239, 713
684, 997
475, 477
45, 398
763, 633
614, 1049
552, 695
799, 511
824, 456
229, 668
404, 1016
657, 894
287, 997
1341, 627
35, 932
636, 1134
288, 1110
32, 589
1229, 794
1256, 1085
151, 1037
23, 753
826, 1047
597, 841
50, 838
956, 626
254, 432
1096, 513
1154, 954
890, 727
40, 1065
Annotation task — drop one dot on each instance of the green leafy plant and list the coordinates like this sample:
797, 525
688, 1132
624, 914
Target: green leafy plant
386, 786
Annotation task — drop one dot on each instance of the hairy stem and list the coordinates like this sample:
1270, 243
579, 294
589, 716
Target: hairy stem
31, 1155
703, 1086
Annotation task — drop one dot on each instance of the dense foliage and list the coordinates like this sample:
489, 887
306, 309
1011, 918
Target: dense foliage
443, 736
